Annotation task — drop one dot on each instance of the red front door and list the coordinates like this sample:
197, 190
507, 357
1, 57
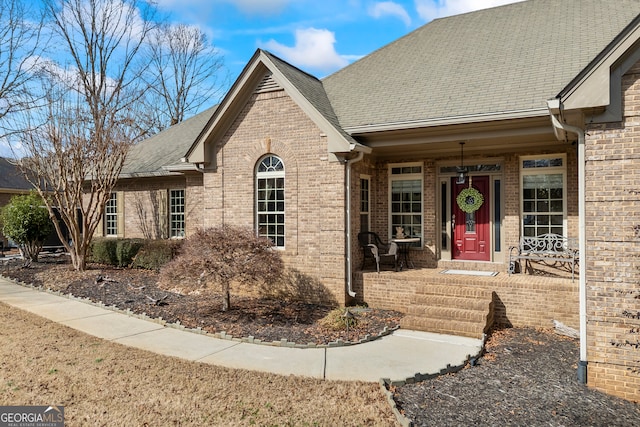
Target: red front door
471, 234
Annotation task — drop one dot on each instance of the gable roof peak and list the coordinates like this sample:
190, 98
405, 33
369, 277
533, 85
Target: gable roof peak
303, 88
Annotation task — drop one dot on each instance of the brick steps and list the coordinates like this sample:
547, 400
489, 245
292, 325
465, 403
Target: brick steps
471, 265
454, 308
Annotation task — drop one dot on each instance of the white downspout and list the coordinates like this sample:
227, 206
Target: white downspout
348, 163
582, 243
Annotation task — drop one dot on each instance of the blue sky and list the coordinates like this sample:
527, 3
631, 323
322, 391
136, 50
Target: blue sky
318, 36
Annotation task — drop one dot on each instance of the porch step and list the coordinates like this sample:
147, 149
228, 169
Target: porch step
472, 265
452, 308
471, 302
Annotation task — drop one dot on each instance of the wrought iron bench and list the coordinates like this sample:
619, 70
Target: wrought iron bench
546, 248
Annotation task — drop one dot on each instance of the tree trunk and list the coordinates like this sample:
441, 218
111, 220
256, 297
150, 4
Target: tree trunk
78, 259
30, 251
226, 299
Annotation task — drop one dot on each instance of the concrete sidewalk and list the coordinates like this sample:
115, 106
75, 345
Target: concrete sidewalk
397, 357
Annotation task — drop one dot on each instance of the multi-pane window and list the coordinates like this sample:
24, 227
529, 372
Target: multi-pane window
406, 199
365, 184
543, 195
176, 213
270, 199
111, 216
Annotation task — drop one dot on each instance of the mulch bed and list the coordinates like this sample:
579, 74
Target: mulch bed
526, 377
134, 289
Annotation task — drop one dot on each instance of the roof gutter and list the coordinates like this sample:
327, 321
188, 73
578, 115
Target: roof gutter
348, 163
555, 110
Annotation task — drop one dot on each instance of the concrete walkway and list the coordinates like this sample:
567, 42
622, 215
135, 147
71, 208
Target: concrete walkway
397, 357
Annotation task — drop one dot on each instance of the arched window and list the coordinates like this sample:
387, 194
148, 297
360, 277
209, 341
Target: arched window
270, 199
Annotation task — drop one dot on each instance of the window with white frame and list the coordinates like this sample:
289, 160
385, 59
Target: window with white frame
111, 216
543, 194
406, 199
365, 201
176, 213
270, 199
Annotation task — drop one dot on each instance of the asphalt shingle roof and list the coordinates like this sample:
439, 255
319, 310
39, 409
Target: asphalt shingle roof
151, 156
311, 88
502, 60
11, 178
505, 59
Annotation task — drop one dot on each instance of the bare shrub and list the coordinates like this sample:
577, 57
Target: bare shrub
217, 258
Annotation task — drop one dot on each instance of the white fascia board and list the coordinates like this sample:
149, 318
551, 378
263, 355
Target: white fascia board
196, 153
336, 142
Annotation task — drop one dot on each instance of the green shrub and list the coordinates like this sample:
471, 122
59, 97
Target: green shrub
156, 253
117, 252
103, 251
26, 221
126, 250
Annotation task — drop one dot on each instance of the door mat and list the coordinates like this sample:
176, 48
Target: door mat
471, 272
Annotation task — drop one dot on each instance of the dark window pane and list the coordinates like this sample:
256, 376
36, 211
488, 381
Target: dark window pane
543, 206
556, 206
528, 193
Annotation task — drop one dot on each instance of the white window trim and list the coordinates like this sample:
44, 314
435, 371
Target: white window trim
184, 213
368, 213
266, 175
544, 171
114, 215
405, 177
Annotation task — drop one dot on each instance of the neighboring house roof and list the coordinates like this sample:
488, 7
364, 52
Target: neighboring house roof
11, 178
502, 62
160, 153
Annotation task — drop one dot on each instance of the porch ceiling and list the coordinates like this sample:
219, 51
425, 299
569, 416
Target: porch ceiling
488, 138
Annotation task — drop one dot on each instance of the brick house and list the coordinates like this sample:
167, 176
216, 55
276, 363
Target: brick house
537, 102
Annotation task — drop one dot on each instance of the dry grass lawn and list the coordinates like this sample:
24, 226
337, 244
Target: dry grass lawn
103, 383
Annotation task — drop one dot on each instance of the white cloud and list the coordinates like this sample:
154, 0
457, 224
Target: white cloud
431, 9
313, 50
389, 8
11, 147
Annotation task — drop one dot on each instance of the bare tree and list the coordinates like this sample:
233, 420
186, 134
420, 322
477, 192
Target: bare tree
76, 146
20, 46
222, 257
184, 74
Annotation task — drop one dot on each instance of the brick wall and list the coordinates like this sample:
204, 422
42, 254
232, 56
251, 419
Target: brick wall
194, 201
145, 206
520, 300
613, 248
314, 191
511, 196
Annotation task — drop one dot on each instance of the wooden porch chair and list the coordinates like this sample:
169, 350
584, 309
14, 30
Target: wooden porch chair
373, 248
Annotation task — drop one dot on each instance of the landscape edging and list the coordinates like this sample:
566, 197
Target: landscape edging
198, 330
386, 383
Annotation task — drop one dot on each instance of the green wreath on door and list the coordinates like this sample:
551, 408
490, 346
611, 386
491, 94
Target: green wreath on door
469, 200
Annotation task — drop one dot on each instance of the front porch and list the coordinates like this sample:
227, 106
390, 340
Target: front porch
469, 305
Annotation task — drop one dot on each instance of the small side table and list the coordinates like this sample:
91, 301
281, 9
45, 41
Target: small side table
403, 246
